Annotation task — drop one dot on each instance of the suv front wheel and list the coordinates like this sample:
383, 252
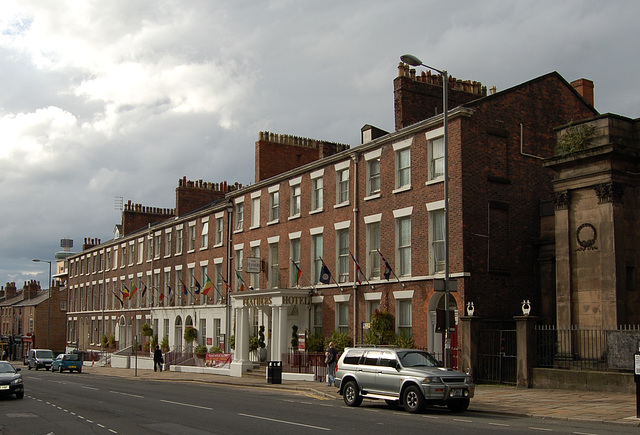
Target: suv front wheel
413, 399
351, 394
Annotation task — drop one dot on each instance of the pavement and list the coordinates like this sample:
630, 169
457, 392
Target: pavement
590, 406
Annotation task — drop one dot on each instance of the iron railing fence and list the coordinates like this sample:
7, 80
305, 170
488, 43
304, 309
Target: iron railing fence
305, 362
583, 348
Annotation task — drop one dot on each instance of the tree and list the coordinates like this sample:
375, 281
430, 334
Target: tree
190, 335
381, 331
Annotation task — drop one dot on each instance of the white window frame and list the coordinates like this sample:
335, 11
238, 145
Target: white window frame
373, 184
342, 183
219, 236
255, 210
401, 216
295, 188
402, 154
317, 191
435, 211
434, 136
373, 257
274, 204
238, 225
204, 234
274, 262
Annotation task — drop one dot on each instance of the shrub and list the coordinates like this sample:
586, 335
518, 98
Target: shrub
576, 138
147, 331
340, 340
315, 343
215, 349
164, 345
104, 340
200, 349
294, 337
254, 343
261, 336
381, 331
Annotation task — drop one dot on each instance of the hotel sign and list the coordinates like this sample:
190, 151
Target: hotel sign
260, 301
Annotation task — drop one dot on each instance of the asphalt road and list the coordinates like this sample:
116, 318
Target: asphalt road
72, 403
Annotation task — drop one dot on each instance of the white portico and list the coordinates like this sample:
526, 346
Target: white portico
278, 310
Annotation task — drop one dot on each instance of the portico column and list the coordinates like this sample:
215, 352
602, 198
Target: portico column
275, 334
282, 331
241, 361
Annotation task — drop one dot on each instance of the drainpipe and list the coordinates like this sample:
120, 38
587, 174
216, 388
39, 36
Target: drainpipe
227, 347
354, 157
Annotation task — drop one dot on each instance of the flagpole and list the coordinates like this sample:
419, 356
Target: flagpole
302, 274
358, 268
331, 274
387, 264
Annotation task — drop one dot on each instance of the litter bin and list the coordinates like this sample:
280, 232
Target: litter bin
274, 372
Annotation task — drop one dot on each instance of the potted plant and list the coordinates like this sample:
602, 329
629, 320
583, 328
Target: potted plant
200, 350
147, 331
104, 341
112, 341
254, 343
294, 338
164, 345
215, 349
190, 335
262, 351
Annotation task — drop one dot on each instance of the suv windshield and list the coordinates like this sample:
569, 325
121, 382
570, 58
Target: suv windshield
417, 359
44, 354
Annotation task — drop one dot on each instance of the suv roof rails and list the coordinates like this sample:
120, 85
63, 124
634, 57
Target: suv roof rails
383, 346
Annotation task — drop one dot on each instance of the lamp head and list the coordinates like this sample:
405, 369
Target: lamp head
410, 59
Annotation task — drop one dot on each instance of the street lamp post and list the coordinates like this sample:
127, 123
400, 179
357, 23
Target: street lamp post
48, 300
414, 61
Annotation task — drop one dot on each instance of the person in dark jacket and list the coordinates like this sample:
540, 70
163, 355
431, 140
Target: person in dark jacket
331, 358
157, 359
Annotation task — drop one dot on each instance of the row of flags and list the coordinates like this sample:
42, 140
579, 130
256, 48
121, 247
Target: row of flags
324, 278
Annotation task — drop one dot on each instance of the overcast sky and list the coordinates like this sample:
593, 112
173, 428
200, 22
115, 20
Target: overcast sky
119, 98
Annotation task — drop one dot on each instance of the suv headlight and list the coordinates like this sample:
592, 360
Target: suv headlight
432, 380
16, 381
468, 380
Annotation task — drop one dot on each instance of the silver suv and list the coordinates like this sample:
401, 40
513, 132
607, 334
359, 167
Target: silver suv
411, 377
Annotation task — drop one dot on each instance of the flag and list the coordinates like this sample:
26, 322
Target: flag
118, 298
387, 268
242, 284
125, 293
134, 289
226, 283
325, 274
184, 288
359, 275
169, 292
161, 297
144, 290
208, 285
298, 273
197, 286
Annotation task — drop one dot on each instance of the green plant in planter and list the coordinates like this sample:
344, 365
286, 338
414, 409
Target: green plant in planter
404, 341
154, 341
215, 349
294, 337
254, 343
190, 335
146, 346
164, 345
261, 337
112, 340
200, 350
104, 340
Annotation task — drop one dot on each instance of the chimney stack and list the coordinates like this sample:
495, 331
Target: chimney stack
584, 88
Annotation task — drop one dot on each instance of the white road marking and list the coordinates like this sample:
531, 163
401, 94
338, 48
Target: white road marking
187, 404
499, 424
127, 394
540, 428
283, 421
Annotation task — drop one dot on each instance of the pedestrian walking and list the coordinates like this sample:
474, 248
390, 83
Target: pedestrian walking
157, 359
331, 358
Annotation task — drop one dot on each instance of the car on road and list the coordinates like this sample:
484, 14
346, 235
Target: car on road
67, 362
408, 377
40, 358
10, 381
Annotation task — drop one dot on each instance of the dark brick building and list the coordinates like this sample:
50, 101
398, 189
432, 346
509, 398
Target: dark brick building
316, 203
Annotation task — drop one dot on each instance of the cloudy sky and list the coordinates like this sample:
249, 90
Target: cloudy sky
122, 98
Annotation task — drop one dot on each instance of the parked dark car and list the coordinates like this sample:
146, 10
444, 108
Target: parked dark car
67, 362
10, 380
